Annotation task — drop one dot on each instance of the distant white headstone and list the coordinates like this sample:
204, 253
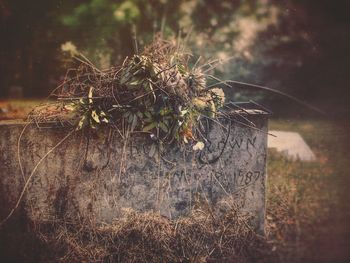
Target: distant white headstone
292, 145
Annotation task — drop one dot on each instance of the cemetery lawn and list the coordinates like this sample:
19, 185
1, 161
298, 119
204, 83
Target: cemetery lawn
308, 203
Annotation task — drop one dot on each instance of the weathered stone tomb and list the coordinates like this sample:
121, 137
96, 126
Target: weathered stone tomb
97, 175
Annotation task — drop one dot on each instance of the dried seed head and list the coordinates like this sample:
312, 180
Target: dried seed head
196, 80
174, 83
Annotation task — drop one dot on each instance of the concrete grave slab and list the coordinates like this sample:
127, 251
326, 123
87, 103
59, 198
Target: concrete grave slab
291, 145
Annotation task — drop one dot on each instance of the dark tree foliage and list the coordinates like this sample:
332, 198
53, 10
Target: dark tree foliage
314, 63
306, 54
28, 46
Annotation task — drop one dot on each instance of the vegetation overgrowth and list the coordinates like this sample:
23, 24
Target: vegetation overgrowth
155, 92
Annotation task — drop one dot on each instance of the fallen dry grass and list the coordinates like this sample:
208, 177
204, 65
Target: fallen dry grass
17, 109
147, 237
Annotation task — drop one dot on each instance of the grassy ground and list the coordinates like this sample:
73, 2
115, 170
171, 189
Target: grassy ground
16, 109
307, 203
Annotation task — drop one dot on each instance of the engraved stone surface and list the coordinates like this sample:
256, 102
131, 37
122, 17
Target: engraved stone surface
99, 174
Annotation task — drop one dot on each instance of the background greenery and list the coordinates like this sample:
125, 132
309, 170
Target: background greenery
296, 46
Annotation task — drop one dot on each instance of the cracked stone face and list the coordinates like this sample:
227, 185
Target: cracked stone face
99, 177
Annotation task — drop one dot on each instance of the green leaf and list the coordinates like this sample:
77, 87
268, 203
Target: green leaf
149, 127
90, 95
139, 114
126, 114
103, 117
163, 127
163, 111
148, 114
134, 122
181, 69
95, 117
172, 60
125, 78
154, 71
183, 113
185, 139
135, 82
82, 123
131, 118
166, 122
137, 72
148, 86
152, 150
93, 125
70, 106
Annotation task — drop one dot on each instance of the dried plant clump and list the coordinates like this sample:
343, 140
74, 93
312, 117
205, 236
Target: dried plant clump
155, 93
